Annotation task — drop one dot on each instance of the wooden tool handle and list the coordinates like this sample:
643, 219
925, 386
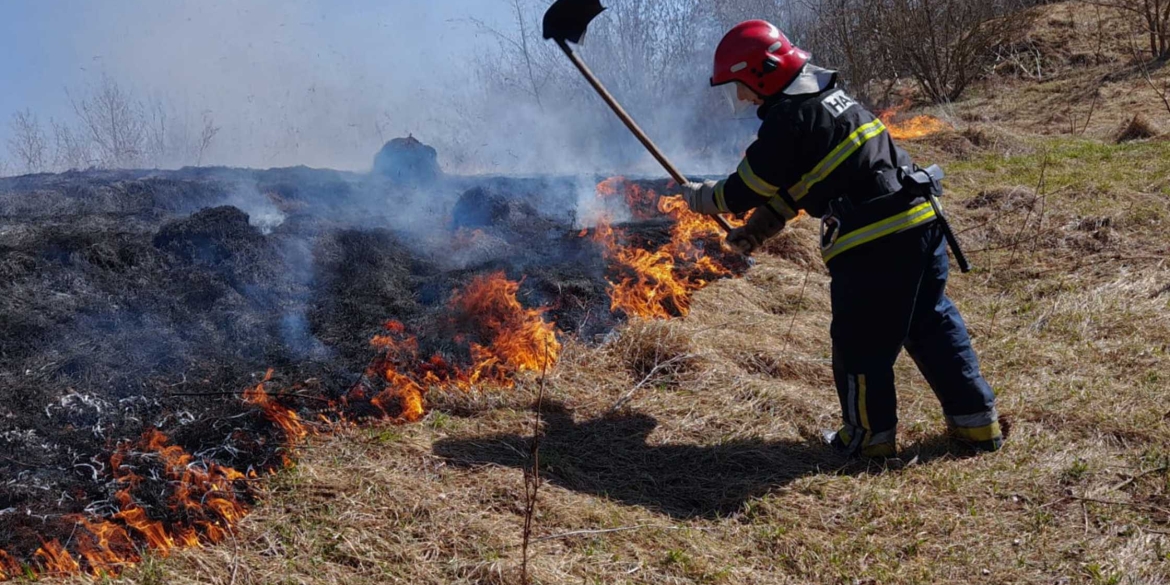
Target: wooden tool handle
630, 123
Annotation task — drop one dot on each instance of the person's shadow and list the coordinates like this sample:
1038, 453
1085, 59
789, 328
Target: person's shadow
609, 457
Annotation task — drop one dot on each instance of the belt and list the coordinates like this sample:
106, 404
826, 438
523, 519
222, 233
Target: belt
834, 244
912, 187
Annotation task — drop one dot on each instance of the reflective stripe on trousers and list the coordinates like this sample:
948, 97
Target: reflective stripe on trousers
889, 295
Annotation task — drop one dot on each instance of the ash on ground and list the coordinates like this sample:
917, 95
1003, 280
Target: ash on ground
136, 300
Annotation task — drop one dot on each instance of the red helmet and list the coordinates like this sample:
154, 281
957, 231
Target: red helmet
758, 55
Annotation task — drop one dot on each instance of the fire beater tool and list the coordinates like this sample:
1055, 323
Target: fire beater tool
567, 21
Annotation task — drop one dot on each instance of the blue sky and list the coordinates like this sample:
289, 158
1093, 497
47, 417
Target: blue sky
293, 80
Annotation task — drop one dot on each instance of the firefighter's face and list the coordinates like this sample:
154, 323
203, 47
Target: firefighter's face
740, 98
743, 93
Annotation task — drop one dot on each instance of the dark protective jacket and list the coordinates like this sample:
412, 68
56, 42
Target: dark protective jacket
822, 152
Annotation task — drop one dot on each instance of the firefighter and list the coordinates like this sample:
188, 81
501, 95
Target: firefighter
882, 237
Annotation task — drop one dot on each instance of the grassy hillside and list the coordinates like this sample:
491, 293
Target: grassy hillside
708, 473
708, 470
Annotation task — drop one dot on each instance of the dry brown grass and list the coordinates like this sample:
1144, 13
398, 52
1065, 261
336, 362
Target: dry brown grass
1073, 73
709, 472
1139, 127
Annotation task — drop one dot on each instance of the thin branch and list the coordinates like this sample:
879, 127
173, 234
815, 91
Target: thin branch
532, 474
646, 380
1017, 239
1134, 478
799, 303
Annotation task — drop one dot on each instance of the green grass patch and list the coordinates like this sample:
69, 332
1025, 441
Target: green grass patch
1079, 165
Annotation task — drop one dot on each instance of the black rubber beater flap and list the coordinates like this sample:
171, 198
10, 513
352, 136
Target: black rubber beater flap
568, 20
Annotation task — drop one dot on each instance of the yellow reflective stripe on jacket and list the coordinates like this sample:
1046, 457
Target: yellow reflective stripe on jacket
720, 197
754, 182
840, 154
780, 206
891, 225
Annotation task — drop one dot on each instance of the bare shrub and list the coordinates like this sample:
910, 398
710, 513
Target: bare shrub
848, 35
113, 129
28, 144
943, 45
173, 139
654, 56
71, 148
115, 123
1152, 17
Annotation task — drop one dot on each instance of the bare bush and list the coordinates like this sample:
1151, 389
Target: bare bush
115, 123
1152, 17
27, 144
654, 56
173, 139
71, 148
112, 129
956, 43
849, 35
943, 45
207, 136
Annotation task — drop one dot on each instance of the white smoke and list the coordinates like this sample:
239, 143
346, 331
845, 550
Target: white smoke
292, 82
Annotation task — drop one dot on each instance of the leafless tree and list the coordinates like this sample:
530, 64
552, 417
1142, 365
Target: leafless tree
943, 45
206, 137
116, 129
521, 59
27, 143
71, 148
850, 36
159, 147
727, 13
1151, 15
115, 122
3, 167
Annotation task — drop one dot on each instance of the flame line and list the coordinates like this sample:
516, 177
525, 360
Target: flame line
205, 500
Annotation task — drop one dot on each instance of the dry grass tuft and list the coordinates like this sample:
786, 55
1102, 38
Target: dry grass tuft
1013, 198
990, 138
1139, 127
654, 352
796, 243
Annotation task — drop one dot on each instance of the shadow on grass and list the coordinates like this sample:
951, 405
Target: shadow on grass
609, 457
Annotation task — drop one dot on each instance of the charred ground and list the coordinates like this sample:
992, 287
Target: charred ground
134, 300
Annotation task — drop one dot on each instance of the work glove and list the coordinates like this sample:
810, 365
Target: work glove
700, 197
761, 226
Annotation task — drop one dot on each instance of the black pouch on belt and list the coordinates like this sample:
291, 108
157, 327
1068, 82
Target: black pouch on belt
928, 183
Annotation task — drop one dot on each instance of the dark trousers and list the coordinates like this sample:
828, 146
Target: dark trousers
887, 295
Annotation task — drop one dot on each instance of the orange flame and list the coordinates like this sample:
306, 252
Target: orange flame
511, 340
9, 568
107, 548
642, 202
204, 496
916, 127
283, 417
56, 560
659, 283
519, 339
501, 337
